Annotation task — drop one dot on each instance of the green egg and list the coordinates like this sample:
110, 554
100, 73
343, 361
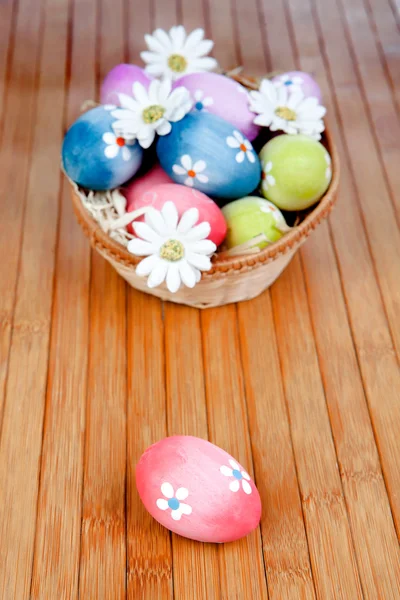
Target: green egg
296, 171
251, 216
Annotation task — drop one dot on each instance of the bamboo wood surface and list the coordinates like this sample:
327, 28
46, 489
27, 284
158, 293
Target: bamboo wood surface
301, 385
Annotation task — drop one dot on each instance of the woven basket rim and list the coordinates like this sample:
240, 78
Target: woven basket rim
221, 265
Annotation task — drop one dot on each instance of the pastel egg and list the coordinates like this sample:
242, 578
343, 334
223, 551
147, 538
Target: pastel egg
298, 80
197, 490
206, 152
94, 157
120, 80
184, 198
249, 217
296, 171
221, 96
140, 185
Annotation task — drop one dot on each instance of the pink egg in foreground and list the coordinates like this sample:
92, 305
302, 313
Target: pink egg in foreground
183, 197
197, 490
120, 81
298, 80
221, 96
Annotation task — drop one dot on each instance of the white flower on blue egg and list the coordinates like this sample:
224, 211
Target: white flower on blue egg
173, 500
267, 180
240, 478
190, 170
150, 111
236, 140
176, 53
282, 110
202, 102
115, 145
293, 83
176, 250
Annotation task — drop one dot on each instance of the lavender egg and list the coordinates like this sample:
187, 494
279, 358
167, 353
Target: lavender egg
298, 80
120, 80
209, 154
94, 157
221, 96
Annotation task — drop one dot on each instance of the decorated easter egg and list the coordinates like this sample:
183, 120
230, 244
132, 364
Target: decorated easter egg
221, 96
206, 152
120, 80
140, 185
249, 217
94, 157
197, 490
296, 171
297, 80
184, 198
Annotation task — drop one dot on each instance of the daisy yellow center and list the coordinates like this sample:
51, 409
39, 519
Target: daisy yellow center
285, 113
153, 113
177, 63
172, 250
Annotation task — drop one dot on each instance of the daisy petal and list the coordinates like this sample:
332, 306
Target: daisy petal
109, 138
156, 45
202, 178
140, 92
226, 471
176, 514
145, 232
187, 274
173, 278
158, 274
203, 48
146, 266
127, 102
199, 166
232, 142
181, 493
178, 36
199, 232
167, 490
185, 508
245, 475
111, 151
250, 156
234, 465
164, 39
179, 170
188, 219
234, 485
204, 64
150, 57
240, 157
164, 128
203, 247
162, 504
246, 486
170, 215
155, 69
140, 247
189, 181
155, 220
126, 155
193, 39
197, 274
186, 161
200, 261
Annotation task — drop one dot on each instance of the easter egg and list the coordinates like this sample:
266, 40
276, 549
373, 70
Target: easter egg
120, 80
221, 96
197, 490
249, 217
184, 198
296, 171
94, 157
206, 152
140, 185
297, 80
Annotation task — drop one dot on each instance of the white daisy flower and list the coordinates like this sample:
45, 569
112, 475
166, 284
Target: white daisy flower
245, 148
150, 111
292, 113
176, 251
115, 145
175, 53
328, 172
201, 102
173, 500
239, 477
191, 171
267, 180
292, 83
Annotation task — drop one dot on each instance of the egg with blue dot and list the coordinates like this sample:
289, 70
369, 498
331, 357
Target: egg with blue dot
94, 157
209, 154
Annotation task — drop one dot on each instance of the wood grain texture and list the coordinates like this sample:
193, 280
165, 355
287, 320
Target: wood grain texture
300, 384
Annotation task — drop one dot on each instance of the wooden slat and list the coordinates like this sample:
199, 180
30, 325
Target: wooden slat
196, 573
103, 554
241, 564
284, 539
149, 546
21, 440
58, 531
7, 29
331, 549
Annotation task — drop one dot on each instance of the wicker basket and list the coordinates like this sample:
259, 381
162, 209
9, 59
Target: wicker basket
231, 279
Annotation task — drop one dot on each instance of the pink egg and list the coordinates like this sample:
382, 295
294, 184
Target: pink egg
141, 194
299, 80
197, 490
221, 96
120, 80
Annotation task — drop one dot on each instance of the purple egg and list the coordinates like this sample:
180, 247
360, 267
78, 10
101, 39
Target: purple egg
298, 80
221, 96
120, 80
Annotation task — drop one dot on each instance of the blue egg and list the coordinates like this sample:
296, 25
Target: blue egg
207, 153
94, 157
